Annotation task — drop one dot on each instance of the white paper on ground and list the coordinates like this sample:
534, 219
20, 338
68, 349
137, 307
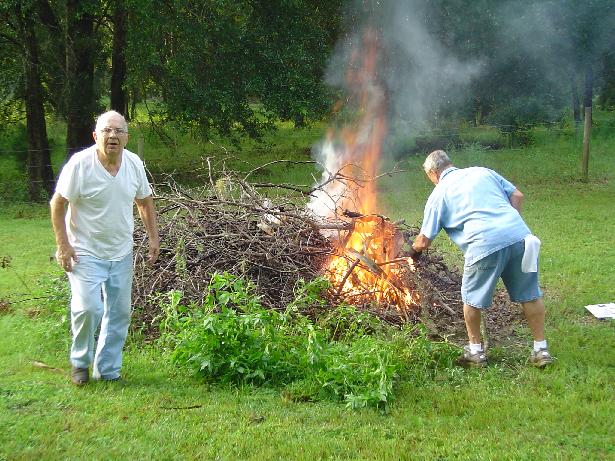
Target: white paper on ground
602, 311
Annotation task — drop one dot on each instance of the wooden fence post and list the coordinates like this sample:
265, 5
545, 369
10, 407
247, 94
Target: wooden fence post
589, 82
140, 142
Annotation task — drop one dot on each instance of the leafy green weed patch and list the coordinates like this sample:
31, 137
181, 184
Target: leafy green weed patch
231, 338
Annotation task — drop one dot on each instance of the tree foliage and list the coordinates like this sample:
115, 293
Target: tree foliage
235, 67
533, 53
210, 62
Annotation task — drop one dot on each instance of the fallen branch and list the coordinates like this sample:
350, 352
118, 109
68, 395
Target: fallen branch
39, 364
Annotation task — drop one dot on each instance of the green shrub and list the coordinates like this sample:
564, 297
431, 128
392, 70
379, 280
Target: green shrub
346, 323
231, 338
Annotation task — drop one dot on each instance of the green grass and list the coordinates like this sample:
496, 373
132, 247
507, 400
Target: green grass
506, 411
187, 157
28, 248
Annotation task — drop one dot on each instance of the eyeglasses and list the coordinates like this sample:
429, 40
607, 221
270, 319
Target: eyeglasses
116, 131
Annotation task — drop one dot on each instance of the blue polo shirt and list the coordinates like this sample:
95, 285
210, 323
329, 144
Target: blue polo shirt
472, 205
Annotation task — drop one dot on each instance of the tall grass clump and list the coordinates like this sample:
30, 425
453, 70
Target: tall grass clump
13, 155
345, 356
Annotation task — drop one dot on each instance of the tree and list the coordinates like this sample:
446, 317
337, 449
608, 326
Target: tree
119, 96
607, 83
81, 50
20, 33
290, 43
231, 67
40, 170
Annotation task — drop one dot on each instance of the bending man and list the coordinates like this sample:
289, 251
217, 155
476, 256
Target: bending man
480, 212
92, 217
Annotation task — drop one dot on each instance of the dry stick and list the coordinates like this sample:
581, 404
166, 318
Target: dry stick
348, 272
190, 407
292, 162
39, 364
441, 296
283, 186
394, 261
209, 170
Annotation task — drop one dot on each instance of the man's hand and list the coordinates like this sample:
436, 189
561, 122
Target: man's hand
414, 254
152, 254
416, 248
65, 255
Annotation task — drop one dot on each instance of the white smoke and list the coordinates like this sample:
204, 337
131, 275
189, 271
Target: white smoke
324, 201
416, 75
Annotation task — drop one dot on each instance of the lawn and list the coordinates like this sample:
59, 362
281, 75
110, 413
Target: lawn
506, 411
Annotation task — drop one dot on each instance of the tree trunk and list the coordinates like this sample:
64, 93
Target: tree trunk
576, 113
589, 83
55, 52
81, 98
119, 97
607, 93
40, 170
478, 112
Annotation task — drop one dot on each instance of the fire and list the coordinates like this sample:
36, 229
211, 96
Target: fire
353, 151
365, 267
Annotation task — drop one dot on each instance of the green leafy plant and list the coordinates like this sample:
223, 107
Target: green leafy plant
346, 323
232, 338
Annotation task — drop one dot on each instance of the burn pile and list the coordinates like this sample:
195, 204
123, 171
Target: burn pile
229, 228
276, 244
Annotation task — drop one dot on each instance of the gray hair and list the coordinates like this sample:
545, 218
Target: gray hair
101, 121
437, 162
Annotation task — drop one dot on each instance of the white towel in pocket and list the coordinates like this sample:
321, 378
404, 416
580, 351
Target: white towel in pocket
529, 263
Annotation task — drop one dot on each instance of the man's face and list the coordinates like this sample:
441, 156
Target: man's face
112, 137
433, 177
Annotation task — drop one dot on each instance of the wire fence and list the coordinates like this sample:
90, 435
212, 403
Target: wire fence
560, 127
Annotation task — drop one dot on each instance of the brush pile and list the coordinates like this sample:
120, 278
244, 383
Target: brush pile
228, 230
274, 242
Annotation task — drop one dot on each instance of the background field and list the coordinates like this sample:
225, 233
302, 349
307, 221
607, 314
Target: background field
506, 411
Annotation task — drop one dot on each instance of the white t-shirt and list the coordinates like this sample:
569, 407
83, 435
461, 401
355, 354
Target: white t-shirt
99, 221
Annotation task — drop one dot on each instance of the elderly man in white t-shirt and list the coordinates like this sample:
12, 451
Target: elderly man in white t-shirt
92, 217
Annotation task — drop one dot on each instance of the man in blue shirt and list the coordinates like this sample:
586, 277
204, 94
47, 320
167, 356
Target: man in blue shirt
480, 212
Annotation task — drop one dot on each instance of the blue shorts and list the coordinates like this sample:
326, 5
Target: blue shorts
480, 278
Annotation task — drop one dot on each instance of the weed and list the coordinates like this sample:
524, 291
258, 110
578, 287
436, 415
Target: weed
346, 322
5, 306
231, 338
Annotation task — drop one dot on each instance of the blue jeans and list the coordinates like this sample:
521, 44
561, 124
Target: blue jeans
101, 295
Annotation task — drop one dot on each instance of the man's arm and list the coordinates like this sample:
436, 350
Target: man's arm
516, 199
147, 211
65, 253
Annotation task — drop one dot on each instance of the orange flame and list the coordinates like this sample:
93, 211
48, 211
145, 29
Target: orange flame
363, 140
365, 267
